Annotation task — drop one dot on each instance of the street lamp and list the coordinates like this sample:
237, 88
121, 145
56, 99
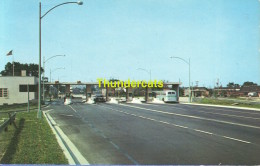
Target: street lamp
188, 62
39, 114
44, 61
149, 72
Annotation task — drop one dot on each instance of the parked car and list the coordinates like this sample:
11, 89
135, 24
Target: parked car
252, 94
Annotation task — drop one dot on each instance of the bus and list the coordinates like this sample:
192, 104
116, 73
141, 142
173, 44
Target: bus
166, 96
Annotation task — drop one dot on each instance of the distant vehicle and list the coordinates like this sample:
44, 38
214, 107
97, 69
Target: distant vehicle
166, 96
67, 99
252, 94
99, 98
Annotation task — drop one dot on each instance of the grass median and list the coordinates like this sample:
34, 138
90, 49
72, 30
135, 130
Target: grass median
227, 103
32, 142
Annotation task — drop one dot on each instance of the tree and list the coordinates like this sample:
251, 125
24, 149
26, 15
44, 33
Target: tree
248, 83
233, 85
230, 85
181, 91
31, 69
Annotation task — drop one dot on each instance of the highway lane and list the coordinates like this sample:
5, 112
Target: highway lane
130, 134
219, 125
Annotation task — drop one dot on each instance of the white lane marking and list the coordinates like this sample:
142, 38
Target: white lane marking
72, 108
204, 132
238, 116
65, 115
172, 124
227, 109
236, 139
194, 117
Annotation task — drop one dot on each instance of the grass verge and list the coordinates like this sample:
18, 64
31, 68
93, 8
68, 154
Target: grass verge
227, 103
32, 142
17, 107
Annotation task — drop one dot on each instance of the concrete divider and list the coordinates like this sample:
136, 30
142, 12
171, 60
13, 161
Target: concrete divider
113, 101
157, 101
137, 100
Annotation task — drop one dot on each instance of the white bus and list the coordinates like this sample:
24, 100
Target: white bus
166, 96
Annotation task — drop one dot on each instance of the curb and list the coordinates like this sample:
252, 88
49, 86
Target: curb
223, 106
69, 149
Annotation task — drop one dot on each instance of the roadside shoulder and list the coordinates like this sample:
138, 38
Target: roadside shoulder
223, 106
71, 152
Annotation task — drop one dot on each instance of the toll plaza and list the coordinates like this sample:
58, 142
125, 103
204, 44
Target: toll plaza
128, 90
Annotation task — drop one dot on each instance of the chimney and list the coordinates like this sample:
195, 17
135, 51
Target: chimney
23, 73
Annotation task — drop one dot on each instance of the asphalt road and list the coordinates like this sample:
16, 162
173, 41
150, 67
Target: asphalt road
160, 134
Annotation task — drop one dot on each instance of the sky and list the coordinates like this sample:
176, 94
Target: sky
113, 38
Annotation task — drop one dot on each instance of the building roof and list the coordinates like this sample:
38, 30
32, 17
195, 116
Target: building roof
227, 89
199, 89
253, 88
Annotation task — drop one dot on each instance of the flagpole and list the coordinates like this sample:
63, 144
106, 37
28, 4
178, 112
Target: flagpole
11, 53
13, 64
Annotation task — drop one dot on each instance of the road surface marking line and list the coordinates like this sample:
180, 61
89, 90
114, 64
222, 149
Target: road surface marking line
195, 117
114, 145
226, 109
65, 115
201, 131
165, 105
224, 106
237, 139
238, 116
72, 108
180, 126
164, 122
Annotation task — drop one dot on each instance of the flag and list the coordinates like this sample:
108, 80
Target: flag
9, 53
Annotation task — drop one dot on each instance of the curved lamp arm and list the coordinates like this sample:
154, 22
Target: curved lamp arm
143, 70
79, 3
53, 57
180, 59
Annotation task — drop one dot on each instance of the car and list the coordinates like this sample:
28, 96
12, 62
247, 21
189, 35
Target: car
252, 94
99, 98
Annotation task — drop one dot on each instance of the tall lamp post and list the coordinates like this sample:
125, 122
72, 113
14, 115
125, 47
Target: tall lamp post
44, 61
188, 62
149, 72
39, 114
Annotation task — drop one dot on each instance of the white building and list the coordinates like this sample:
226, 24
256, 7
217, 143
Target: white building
14, 89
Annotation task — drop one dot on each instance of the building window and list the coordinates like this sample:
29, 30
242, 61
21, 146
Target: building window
3, 92
32, 88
